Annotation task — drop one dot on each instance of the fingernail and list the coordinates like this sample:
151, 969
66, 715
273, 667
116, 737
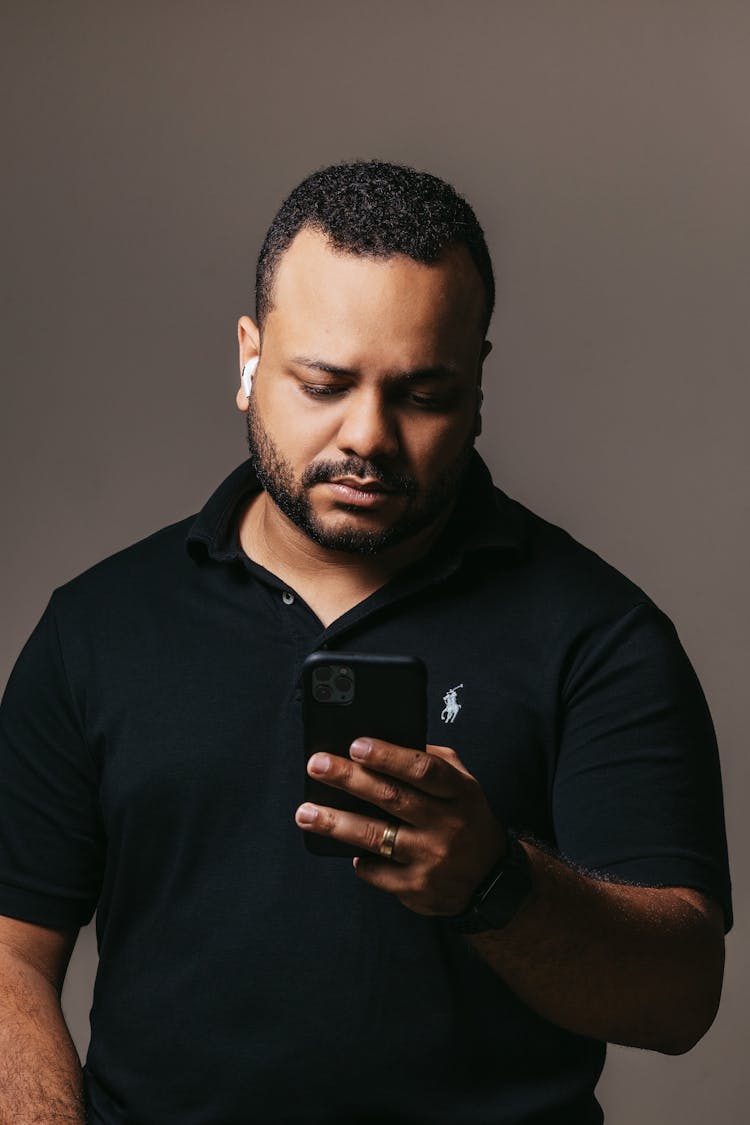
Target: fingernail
360, 748
355, 862
306, 814
320, 763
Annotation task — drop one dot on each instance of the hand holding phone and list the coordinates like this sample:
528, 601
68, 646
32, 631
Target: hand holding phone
350, 695
429, 836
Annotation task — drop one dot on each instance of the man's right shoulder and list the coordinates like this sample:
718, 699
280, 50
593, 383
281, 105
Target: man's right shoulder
148, 566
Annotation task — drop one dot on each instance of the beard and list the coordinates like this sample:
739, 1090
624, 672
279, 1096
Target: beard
423, 506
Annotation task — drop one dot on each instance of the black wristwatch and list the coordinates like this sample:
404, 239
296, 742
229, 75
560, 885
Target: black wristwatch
500, 896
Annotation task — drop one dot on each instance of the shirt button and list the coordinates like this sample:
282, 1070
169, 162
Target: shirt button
287, 597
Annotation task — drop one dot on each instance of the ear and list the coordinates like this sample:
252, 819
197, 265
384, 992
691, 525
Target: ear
486, 349
478, 415
248, 338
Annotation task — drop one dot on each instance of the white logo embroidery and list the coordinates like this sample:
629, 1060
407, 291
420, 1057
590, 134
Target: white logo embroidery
452, 706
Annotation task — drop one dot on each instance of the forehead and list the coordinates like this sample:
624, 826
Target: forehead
352, 299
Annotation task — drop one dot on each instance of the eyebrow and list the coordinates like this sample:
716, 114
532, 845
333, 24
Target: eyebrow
438, 371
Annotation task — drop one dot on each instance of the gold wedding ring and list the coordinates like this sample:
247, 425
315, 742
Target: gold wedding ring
388, 842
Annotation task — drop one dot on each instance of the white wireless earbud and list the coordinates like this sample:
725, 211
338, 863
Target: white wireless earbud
247, 375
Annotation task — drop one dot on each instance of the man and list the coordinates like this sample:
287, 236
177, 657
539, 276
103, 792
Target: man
553, 879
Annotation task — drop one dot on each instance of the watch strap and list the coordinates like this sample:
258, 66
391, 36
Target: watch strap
501, 893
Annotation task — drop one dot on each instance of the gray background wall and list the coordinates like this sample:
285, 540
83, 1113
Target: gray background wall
605, 147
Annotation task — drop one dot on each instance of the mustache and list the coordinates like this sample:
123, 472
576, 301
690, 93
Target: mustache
320, 472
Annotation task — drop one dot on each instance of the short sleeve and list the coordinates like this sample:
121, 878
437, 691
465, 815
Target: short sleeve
637, 793
51, 838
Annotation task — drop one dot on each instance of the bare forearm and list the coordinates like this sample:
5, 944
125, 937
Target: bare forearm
632, 965
40, 1074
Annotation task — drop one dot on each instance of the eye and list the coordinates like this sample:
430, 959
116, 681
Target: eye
320, 390
425, 401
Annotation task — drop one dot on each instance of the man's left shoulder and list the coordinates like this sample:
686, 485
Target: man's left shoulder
564, 577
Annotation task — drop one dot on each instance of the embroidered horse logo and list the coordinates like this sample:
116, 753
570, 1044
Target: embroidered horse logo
452, 706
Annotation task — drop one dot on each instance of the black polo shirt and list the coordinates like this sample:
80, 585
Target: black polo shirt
151, 763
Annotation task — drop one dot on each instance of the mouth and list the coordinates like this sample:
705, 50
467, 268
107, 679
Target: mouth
358, 493
361, 485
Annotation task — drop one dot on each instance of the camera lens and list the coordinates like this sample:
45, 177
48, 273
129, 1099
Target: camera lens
323, 693
342, 683
323, 672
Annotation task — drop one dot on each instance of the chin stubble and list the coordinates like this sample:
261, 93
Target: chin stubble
277, 478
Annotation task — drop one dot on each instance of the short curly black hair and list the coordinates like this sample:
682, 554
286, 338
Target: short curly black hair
376, 209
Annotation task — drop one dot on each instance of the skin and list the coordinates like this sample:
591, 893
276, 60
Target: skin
635, 965
40, 1074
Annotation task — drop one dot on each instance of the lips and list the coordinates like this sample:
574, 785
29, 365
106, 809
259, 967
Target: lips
358, 493
361, 485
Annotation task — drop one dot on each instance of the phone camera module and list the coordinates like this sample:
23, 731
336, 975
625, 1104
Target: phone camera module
332, 684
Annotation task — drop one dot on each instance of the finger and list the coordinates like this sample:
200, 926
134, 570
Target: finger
450, 756
380, 873
399, 800
364, 833
429, 773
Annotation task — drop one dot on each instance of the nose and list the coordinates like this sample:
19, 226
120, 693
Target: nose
368, 428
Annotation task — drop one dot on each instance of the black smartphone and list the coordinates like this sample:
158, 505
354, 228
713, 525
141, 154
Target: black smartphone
350, 694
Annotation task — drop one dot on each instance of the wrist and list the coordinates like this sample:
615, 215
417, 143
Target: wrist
501, 894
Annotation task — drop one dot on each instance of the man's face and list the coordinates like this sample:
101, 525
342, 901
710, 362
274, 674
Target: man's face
363, 411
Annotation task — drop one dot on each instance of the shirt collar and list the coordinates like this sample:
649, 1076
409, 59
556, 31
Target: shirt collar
484, 518
215, 531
